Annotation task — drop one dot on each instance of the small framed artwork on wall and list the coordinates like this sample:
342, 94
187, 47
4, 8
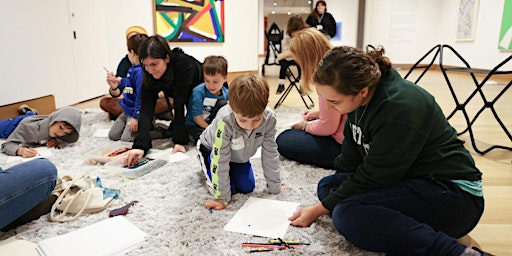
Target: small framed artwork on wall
505, 42
190, 21
466, 24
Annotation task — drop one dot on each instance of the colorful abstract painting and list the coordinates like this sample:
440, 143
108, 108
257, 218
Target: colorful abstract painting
190, 20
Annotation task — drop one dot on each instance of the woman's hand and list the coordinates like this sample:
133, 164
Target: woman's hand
52, 143
179, 148
26, 152
214, 204
299, 125
310, 115
133, 157
306, 216
134, 124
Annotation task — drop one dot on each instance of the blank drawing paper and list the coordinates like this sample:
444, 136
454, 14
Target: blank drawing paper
101, 133
262, 217
112, 236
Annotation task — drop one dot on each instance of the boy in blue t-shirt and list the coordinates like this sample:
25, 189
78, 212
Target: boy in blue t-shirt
208, 97
125, 126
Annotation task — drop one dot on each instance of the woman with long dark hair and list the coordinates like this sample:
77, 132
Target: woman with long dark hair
175, 74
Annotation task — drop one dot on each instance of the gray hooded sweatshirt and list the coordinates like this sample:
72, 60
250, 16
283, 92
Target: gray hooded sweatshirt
35, 130
238, 146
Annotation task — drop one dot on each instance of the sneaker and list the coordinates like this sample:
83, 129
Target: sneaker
280, 89
23, 109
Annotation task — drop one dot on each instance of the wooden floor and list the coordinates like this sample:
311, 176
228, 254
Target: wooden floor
494, 232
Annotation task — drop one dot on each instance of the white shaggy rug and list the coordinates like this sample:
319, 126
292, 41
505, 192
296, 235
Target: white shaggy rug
171, 199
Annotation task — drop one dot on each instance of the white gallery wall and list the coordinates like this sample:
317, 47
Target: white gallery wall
345, 12
42, 56
409, 28
59, 47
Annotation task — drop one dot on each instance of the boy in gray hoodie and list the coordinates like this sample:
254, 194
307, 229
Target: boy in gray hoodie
238, 130
29, 130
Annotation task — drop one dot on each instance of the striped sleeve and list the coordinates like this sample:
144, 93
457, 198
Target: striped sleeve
220, 157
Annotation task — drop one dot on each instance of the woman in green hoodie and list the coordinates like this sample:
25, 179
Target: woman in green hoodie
403, 174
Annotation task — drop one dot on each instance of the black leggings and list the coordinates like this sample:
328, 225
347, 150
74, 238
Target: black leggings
284, 66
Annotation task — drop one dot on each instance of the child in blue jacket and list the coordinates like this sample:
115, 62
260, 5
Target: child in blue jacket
126, 124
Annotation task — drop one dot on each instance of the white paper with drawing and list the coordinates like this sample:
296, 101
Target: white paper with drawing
262, 217
42, 152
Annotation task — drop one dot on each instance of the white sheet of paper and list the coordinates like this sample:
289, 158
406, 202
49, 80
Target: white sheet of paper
101, 133
159, 153
111, 236
42, 152
178, 156
262, 217
167, 155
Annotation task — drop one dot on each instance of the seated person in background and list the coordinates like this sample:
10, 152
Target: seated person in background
322, 20
317, 138
26, 192
125, 126
29, 130
285, 58
111, 104
234, 136
208, 97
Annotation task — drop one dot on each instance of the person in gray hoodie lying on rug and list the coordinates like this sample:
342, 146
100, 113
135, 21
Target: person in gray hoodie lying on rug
234, 136
29, 130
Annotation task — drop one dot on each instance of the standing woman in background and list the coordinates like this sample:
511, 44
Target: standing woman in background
322, 20
176, 74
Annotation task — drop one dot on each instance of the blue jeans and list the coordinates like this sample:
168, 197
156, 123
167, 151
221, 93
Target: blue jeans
307, 148
8, 126
23, 186
413, 217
